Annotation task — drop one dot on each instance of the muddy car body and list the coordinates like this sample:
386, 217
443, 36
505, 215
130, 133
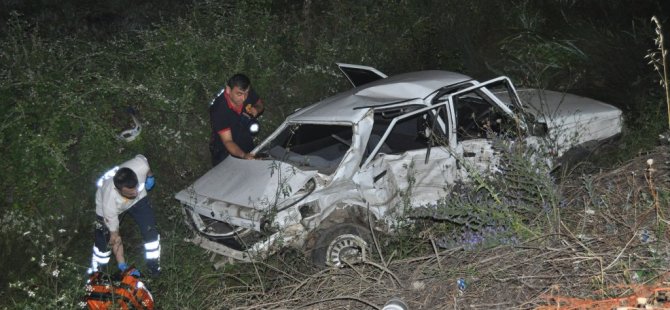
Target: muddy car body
336, 170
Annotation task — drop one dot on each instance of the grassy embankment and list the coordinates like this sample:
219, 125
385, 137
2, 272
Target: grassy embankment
63, 96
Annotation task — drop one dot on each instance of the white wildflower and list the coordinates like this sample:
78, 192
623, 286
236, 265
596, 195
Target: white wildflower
55, 273
650, 161
418, 285
31, 294
26, 233
62, 230
18, 284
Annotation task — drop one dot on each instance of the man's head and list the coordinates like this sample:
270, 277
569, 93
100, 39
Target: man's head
125, 181
237, 88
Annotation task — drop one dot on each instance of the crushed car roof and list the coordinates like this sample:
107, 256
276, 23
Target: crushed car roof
351, 106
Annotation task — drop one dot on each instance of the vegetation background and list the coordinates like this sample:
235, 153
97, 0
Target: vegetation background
69, 71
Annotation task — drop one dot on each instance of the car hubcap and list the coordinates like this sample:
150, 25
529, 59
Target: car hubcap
346, 248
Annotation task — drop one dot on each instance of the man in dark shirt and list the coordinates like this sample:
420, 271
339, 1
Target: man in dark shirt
229, 114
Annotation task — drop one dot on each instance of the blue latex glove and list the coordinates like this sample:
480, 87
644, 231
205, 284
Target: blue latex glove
149, 184
124, 266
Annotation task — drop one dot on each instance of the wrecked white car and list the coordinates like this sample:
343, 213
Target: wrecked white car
337, 169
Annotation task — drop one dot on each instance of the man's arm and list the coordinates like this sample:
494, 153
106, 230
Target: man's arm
232, 147
111, 220
117, 246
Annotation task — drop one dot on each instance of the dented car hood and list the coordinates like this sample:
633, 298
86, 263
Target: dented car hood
257, 184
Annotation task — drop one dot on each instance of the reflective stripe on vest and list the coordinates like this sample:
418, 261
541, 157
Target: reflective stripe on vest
110, 174
107, 175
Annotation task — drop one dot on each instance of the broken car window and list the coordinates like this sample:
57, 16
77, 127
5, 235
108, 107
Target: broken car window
411, 133
478, 118
311, 146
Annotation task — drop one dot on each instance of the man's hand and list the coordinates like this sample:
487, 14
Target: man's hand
249, 156
251, 110
254, 109
123, 267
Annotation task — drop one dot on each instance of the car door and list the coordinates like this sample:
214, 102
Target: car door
480, 123
359, 75
408, 157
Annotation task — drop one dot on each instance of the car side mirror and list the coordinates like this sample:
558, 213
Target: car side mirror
539, 129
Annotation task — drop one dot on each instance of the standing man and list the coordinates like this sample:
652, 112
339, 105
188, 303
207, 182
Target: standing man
231, 114
124, 190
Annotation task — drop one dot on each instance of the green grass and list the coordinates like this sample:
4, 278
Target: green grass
63, 96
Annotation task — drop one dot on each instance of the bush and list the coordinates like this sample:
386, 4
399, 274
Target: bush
64, 96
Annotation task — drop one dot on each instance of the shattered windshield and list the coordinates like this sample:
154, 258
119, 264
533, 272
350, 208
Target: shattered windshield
310, 146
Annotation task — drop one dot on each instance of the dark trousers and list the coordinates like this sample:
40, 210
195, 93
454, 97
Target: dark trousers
143, 215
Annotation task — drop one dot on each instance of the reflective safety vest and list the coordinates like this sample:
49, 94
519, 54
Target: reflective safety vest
123, 291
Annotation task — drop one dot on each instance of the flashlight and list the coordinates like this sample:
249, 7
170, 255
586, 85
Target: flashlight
254, 127
250, 122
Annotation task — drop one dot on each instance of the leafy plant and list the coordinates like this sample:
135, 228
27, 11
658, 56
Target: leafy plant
532, 58
65, 83
44, 273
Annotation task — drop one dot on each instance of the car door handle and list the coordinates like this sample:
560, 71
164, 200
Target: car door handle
469, 154
379, 176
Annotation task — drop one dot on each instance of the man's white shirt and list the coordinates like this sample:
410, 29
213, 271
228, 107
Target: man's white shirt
108, 201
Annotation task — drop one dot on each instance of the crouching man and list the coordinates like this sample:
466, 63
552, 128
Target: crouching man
124, 190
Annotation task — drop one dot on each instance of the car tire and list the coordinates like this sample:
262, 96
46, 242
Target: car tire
340, 244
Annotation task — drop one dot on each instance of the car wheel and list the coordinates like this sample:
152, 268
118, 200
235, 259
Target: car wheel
340, 244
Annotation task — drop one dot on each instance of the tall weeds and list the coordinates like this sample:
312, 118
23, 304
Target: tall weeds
659, 60
63, 100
